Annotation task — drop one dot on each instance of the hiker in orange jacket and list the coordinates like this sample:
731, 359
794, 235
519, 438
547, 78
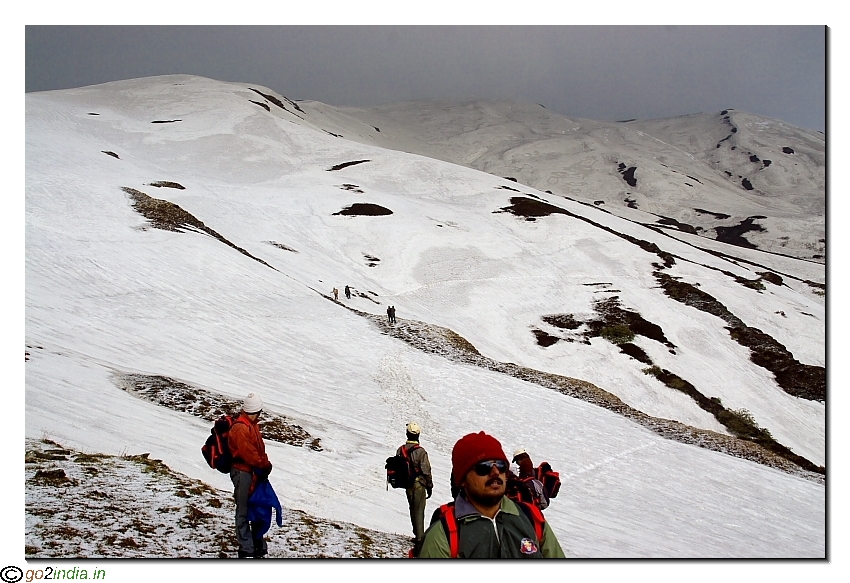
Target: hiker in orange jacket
250, 465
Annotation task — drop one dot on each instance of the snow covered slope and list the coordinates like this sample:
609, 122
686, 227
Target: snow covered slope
183, 236
728, 175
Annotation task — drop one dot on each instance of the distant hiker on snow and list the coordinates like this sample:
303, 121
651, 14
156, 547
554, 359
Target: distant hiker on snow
482, 522
422, 484
390, 314
250, 466
391, 310
336, 294
528, 487
348, 292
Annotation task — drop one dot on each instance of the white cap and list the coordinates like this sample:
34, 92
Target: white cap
253, 404
519, 452
413, 427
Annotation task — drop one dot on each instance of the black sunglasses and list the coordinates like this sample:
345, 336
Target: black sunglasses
483, 468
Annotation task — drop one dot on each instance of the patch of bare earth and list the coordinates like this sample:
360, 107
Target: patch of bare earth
168, 216
167, 184
795, 378
90, 505
179, 396
364, 209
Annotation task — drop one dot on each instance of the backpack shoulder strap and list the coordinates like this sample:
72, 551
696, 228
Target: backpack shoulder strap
533, 513
234, 420
405, 451
447, 517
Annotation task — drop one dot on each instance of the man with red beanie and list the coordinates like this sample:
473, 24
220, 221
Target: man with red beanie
482, 522
250, 464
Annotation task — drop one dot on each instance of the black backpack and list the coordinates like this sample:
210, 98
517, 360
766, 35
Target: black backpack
216, 450
518, 489
400, 472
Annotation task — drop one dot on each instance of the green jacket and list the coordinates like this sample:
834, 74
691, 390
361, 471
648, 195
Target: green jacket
482, 538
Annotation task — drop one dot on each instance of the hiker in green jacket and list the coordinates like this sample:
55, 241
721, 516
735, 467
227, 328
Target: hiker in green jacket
422, 484
488, 524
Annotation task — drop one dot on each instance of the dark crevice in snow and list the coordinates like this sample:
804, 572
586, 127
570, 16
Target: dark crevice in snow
346, 165
526, 207
279, 103
531, 209
170, 217
109, 153
261, 104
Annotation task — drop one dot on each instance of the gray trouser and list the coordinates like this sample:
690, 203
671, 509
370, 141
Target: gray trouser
246, 534
416, 501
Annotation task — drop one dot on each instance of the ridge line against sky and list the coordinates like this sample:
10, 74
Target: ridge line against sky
604, 73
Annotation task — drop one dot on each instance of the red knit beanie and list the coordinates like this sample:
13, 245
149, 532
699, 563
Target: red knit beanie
471, 449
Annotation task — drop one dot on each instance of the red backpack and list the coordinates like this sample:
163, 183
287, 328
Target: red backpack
216, 450
550, 479
446, 515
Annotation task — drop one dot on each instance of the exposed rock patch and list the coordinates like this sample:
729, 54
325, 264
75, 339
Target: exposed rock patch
108, 153
797, 379
734, 235
628, 174
346, 165
718, 216
366, 209
278, 102
179, 396
170, 217
281, 246
167, 184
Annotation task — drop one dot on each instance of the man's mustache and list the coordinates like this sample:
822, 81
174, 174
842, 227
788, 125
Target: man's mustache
495, 480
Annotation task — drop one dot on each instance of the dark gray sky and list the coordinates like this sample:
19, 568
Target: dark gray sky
605, 73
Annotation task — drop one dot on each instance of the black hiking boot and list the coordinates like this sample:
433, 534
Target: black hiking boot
245, 555
260, 554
